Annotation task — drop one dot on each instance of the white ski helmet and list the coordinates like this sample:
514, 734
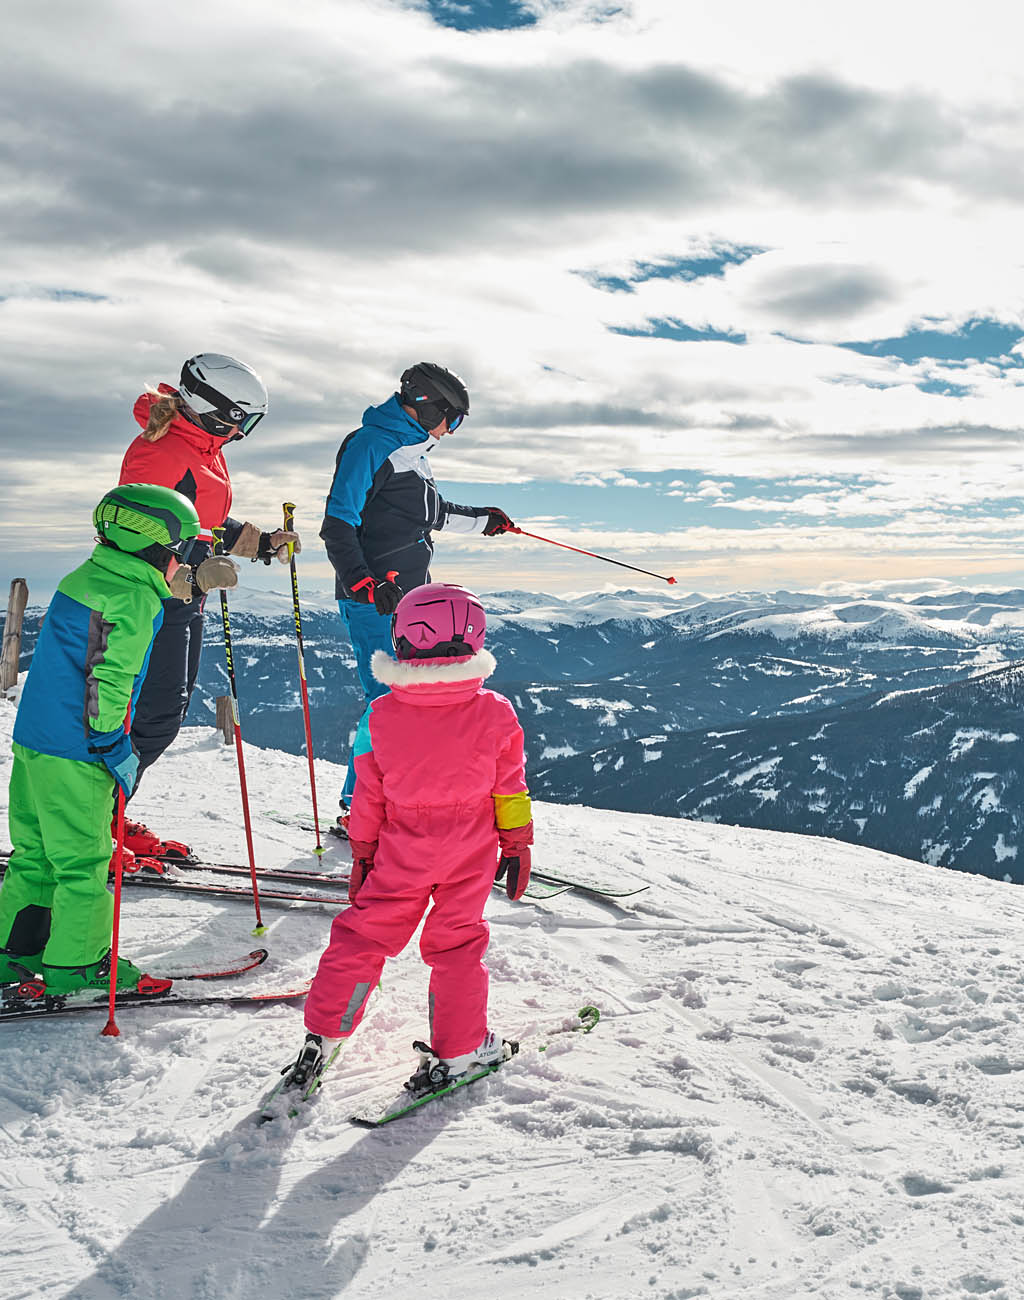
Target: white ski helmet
221, 393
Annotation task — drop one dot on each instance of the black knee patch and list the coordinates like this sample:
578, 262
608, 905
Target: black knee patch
30, 931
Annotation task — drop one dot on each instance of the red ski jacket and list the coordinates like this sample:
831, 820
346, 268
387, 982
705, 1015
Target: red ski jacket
186, 458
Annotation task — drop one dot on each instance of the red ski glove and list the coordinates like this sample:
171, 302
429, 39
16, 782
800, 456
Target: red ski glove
517, 870
362, 865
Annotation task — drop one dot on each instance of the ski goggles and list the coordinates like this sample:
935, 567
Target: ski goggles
432, 413
225, 416
222, 426
190, 550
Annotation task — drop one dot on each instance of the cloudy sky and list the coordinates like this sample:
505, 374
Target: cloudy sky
737, 289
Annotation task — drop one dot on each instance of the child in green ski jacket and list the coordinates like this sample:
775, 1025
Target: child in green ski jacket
71, 746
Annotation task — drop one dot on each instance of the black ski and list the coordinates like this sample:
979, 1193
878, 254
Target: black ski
179, 994
542, 884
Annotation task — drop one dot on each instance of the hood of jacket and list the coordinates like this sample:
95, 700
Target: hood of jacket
432, 682
391, 416
130, 566
204, 443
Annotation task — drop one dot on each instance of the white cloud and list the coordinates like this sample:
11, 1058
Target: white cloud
332, 191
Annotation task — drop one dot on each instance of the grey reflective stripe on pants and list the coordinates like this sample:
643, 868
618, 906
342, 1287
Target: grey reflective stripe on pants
359, 995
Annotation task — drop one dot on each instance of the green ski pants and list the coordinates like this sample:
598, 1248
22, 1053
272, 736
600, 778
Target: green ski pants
54, 897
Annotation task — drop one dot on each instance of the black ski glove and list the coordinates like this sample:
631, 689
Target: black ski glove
498, 521
386, 596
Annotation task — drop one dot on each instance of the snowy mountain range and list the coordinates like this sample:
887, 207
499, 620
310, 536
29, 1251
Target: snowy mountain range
805, 1083
624, 697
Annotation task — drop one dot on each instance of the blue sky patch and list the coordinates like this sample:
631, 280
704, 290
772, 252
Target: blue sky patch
480, 15
677, 330
674, 268
943, 387
979, 339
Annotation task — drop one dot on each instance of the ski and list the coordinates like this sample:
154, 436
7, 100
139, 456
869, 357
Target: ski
269, 1111
286, 875
535, 889
579, 881
542, 884
374, 1114
179, 994
143, 880
304, 823
239, 966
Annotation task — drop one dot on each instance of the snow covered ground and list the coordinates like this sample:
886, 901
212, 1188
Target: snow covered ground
808, 1082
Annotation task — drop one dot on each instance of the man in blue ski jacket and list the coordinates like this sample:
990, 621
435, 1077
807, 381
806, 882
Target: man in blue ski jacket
384, 505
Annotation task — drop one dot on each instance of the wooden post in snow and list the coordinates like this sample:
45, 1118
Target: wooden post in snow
11, 653
225, 718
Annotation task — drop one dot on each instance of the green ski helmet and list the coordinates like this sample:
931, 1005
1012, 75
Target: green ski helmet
137, 516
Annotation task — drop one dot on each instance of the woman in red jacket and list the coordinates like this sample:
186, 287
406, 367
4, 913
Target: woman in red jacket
184, 432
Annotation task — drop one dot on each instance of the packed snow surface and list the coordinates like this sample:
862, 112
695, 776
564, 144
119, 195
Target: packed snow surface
808, 1081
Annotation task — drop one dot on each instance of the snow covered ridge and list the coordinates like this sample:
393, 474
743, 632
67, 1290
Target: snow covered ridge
806, 1083
935, 773
785, 614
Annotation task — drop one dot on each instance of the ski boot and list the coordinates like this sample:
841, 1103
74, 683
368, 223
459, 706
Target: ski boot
16, 967
144, 843
302, 1078
96, 975
340, 825
435, 1073
133, 865
305, 1072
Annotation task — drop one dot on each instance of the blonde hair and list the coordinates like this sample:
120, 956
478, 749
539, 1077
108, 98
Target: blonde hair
165, 407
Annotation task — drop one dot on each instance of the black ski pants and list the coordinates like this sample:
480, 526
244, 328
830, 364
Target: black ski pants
170, 679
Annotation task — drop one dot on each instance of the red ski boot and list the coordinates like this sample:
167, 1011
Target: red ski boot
133, 863
141, 840
340, 826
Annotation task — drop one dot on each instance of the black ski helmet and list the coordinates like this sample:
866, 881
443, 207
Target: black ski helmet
435, 394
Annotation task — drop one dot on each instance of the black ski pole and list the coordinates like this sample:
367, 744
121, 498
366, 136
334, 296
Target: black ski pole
289, 522
218, 549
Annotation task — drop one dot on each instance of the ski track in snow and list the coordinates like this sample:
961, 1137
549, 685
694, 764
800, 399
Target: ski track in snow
808, 1082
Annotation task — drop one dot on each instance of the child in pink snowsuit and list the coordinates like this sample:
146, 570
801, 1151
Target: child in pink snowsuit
440, 788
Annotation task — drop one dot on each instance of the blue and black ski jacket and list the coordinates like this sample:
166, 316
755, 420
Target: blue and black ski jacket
383, 503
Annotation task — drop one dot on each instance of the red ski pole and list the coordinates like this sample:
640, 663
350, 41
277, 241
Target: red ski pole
289, 525
593, 554
218, 534
110, 1029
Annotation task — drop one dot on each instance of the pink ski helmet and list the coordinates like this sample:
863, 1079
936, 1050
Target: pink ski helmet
438, 621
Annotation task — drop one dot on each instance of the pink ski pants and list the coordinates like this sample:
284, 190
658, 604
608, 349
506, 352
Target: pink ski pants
443, 857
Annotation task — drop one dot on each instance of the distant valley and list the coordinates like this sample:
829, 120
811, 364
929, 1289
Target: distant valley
889, 722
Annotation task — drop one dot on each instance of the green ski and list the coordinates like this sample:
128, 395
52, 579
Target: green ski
373, 1114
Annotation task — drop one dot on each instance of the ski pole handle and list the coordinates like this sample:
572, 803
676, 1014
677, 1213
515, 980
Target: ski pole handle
289, 525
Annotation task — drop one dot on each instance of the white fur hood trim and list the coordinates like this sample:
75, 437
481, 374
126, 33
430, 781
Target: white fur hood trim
413, 672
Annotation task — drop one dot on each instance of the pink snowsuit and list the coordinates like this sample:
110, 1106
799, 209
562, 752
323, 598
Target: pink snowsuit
440, 783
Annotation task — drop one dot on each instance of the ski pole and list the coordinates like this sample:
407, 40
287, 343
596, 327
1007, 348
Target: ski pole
289, 526
218, 543
110, 1029
593, 554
